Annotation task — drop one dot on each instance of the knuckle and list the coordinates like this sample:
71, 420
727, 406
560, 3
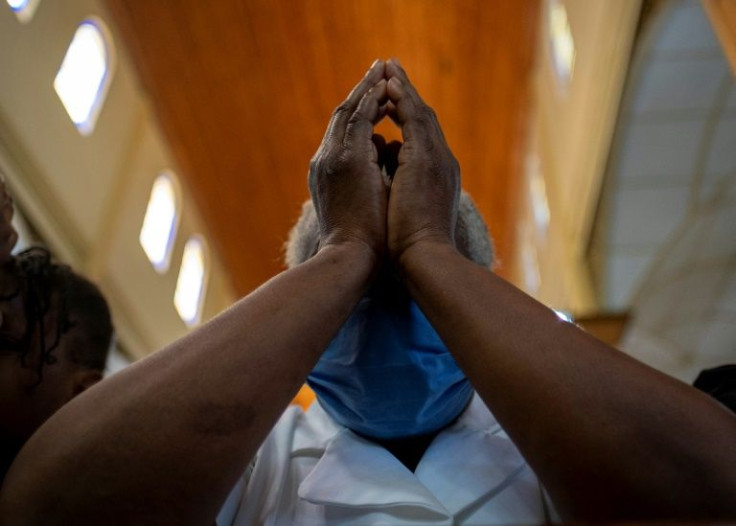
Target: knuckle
363, 111
342, 109
357, 118
316, 164
333, 163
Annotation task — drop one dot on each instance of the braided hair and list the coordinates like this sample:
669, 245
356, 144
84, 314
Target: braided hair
47, 287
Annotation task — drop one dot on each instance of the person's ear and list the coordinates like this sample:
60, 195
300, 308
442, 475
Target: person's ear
83, 379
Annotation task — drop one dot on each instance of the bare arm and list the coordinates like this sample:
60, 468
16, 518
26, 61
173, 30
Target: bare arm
163, 441
167, 438
609, 437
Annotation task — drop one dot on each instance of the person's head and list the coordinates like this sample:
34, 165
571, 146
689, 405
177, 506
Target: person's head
387, 373
471, 235
55, 335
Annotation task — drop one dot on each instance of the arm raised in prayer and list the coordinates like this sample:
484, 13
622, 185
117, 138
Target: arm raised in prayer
163, 441
609, 437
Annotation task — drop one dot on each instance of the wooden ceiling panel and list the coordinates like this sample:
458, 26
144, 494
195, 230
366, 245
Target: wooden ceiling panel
244, 89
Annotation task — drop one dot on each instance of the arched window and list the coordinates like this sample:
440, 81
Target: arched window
161, 221
190, 286
85, 73
23, 9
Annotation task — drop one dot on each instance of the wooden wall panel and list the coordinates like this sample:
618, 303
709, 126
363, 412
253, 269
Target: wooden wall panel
244, 90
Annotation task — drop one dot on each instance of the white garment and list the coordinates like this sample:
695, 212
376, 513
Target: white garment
312, 471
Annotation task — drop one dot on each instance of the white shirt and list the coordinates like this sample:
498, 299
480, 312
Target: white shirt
312, 471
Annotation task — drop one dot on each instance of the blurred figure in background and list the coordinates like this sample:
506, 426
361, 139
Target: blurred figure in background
55, 334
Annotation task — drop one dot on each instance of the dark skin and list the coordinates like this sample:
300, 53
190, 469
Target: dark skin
164, 441
25, 403
610, 437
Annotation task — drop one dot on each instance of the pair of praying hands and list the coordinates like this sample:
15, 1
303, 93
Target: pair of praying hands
350, 196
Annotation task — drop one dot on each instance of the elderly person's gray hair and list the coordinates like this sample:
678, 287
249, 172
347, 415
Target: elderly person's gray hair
471, 235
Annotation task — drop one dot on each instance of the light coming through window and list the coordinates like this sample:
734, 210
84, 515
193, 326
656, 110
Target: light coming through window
563, 45
190, 285
84, 75
23, 9
160, 222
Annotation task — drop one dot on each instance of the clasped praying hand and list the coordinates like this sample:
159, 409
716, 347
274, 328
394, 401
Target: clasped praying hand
350, 196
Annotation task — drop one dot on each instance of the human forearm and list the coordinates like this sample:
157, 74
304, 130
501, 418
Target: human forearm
165, 439
609, 436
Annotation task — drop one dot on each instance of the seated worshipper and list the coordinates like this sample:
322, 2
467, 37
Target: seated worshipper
408, 344
55, 333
